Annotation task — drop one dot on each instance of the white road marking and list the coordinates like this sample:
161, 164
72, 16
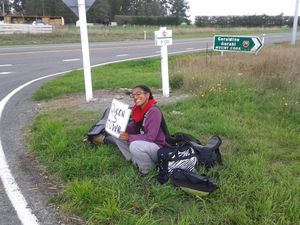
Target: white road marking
11, 187
70, 60
3, 65
122, 55
4, 73
189, 48
148, 56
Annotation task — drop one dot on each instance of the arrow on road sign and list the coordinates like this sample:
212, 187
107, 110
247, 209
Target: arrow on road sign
237, 43
73, 5
257, 44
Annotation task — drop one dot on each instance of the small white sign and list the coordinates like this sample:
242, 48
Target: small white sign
163, 37
118, 118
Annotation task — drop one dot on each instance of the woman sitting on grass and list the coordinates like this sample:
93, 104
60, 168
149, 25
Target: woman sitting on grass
144, 135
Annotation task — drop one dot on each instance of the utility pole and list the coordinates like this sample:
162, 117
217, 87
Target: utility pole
295, 25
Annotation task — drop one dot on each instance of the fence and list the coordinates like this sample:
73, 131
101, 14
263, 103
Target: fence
25, 28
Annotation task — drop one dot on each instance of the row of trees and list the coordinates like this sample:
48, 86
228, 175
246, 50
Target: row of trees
248, 21
102, 10
149, 20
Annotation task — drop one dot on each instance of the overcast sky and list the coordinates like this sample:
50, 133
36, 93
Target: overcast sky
241, 7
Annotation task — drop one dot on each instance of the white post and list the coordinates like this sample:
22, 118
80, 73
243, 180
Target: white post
295, 24
85, 51
165, 70
145, 35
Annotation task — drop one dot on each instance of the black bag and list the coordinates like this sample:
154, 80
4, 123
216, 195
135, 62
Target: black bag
169, 158
186, 145
209, 155
97, 134
193, 183
182, 138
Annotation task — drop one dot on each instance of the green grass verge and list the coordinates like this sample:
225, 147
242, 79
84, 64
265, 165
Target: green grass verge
126, 74
261, 142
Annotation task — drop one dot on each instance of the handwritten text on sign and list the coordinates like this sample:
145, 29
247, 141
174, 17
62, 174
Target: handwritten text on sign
118, 118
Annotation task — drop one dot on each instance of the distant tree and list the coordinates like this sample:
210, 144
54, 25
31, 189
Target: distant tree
100, 12
179, 9
115, 6
164, 7
34, 7
148, 8
18, 6
144, 7
247, 21
7, 7
128, 7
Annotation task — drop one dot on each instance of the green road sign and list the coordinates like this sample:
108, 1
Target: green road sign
237, 43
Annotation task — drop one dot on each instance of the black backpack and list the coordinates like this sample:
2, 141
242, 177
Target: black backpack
192, 183
209, 154
97, 134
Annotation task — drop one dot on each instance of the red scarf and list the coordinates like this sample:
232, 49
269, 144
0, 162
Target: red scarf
138, 112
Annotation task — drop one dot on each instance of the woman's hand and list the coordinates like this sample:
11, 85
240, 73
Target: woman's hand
124, 136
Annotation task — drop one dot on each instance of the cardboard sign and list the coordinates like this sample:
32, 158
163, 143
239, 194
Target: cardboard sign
118, 118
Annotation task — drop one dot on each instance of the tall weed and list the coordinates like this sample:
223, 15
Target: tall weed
273, 74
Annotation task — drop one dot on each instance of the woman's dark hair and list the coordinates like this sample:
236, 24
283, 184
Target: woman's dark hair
145, 89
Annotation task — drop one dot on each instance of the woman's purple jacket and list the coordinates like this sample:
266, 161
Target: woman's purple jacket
152, 130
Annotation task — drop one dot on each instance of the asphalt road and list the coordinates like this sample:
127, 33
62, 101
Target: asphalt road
21, 64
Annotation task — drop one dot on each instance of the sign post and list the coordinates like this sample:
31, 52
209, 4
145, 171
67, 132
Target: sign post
79, 8
163, 38
295, 23
85, 51
237, 43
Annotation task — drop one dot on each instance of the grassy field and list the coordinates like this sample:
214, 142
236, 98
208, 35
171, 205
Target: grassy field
251, 101
71, 34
